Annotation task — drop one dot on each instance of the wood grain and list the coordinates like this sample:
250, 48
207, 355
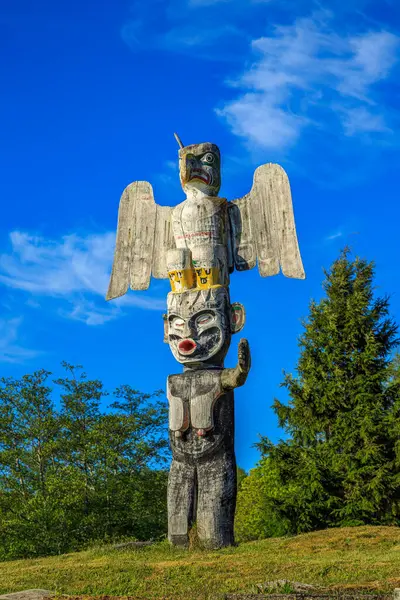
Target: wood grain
163, 241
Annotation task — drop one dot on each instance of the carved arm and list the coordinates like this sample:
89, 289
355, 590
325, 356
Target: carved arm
233, 378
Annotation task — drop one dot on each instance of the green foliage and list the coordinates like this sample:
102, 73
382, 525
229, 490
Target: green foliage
241, 476
78, 474
340, 463
256, 517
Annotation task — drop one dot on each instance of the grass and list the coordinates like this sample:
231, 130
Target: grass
350, 557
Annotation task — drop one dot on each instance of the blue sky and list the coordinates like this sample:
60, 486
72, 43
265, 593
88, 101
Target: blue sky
91, 93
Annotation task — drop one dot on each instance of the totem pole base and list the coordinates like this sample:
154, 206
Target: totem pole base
202, 482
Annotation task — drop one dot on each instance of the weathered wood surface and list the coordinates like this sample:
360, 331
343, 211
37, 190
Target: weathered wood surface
144, 236
257, 228
234, 378
263, 227
135, 240
202, 480
185, 326
191, 399
163, 241
179, 418
143, 222
197, 244
273, 190
243, 233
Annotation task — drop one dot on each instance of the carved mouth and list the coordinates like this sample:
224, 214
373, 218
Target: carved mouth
187, 346
201, 176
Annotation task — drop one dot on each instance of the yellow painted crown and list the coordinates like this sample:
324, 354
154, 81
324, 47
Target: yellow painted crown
187, 272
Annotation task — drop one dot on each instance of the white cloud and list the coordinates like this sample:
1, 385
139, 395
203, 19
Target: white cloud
253, 116
358, 120
305, 73
57, 267
74, 269
11, 350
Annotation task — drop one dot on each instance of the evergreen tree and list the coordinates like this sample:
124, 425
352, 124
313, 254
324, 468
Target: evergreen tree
339, 465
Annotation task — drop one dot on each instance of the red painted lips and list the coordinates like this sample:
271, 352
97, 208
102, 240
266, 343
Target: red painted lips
187, 346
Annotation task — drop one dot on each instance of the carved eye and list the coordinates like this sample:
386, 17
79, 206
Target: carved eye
204, 319
209, 158
177, 322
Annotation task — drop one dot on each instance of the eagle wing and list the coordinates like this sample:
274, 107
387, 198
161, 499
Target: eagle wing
263, 227
144, 235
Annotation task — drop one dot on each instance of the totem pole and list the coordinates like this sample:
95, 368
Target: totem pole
197, 245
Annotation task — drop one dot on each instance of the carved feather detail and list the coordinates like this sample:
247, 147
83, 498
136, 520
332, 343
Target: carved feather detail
263, 226
143, 238
260, 229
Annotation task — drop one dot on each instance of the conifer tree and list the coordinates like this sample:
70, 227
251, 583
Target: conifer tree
339, 465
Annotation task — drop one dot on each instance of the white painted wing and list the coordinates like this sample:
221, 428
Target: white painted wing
243, 235
163, 241
143, 235
263, 226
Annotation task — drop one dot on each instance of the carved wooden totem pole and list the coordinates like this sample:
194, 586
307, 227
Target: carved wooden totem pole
197, 245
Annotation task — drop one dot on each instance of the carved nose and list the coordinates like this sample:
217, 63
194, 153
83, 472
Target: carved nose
187, 331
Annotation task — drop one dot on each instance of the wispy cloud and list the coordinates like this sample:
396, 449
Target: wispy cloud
334, 236
361, 119
343, 232
73, 269
11, 350
193, 37
198, 27
57, 267
306, 74
138, 35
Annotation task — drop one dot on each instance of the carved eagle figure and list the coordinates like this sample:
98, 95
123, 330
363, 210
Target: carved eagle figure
258, 228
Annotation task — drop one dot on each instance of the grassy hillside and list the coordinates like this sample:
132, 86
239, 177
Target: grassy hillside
366, 557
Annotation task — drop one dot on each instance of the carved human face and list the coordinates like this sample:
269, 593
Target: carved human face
200, 168
199, 325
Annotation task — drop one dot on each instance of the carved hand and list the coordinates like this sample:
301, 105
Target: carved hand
233, 378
